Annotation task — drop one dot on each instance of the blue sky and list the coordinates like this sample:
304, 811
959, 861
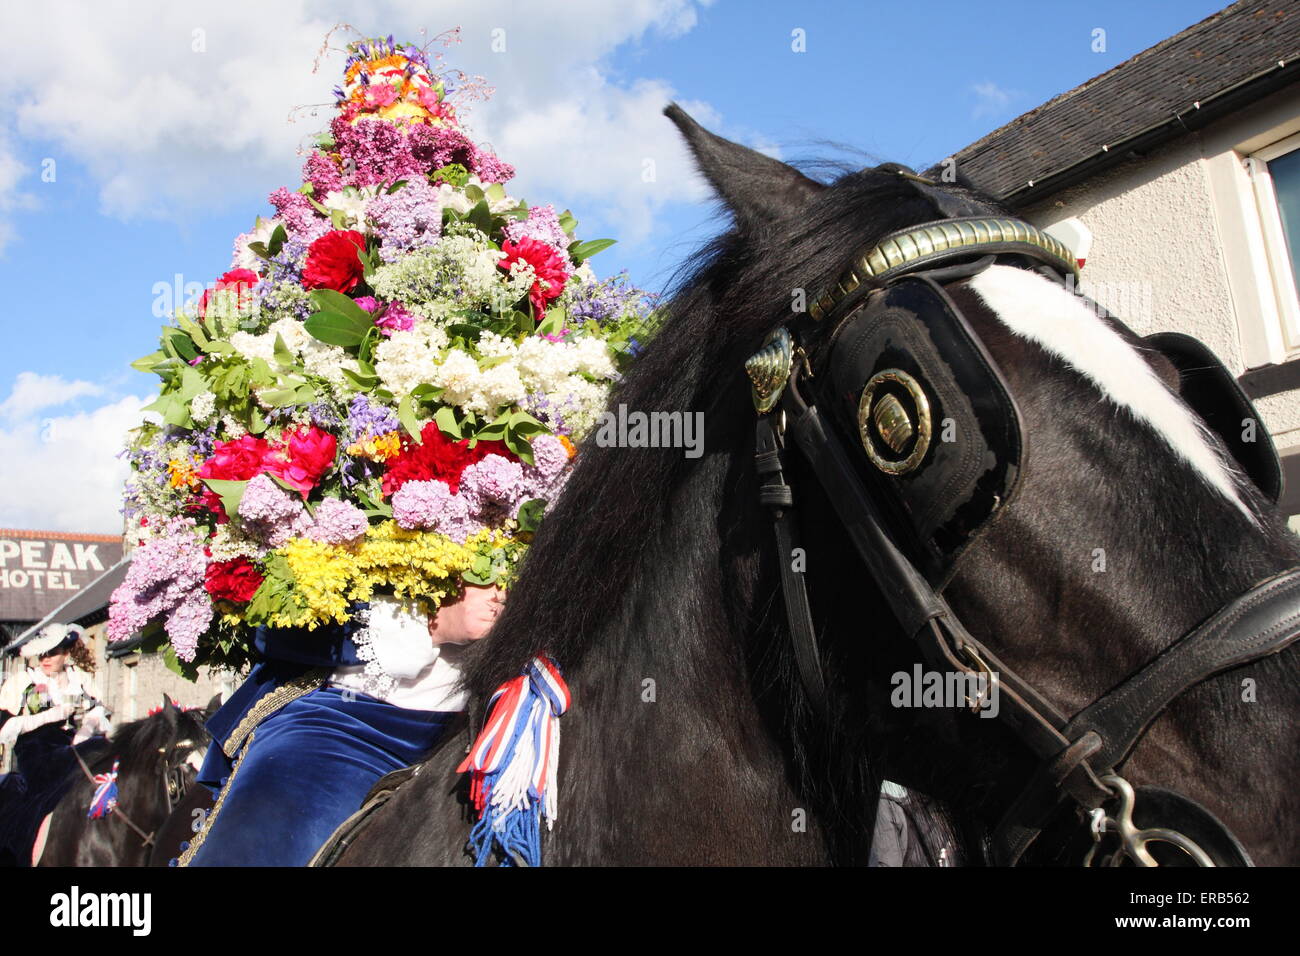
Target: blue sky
167, 131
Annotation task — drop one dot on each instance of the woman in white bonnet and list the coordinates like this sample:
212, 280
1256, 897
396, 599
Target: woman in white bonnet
46, 709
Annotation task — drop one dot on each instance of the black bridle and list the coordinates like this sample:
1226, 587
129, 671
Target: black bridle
173, 778
1077, 757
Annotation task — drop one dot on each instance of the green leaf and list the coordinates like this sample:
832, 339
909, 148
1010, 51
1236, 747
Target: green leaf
187, 669
318, 207
231, 493
445, 417
582, 251
406, 415
327, 300
282, 354
553, 322
496, 192
278, 236
362, 381
530, 515
567, 222
193, 329
395, 186
149, 363
367, 347
279, 397
336, 328
481, 217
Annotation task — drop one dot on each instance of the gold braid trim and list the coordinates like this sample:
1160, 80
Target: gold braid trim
269, 704
184, 858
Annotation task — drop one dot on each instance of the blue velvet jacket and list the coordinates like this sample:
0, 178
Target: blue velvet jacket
287, 653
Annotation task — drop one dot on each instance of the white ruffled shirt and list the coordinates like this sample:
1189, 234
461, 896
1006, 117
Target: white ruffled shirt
402, 664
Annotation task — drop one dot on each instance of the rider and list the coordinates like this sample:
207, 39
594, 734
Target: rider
37, 708
322, 717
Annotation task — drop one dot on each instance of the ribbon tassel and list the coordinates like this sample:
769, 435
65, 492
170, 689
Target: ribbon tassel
105, 799
513, 766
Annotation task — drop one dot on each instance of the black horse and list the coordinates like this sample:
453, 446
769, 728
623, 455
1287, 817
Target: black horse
157, 760
655, 584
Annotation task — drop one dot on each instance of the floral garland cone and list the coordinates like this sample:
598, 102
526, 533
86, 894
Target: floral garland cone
381, 395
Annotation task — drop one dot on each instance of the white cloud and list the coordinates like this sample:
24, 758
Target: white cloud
12, 198
167, 129
63, 473
992, 100
32, 392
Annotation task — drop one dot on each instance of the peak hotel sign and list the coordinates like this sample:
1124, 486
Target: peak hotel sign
38, 573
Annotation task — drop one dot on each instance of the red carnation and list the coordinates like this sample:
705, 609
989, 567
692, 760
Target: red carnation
232, 461
236, 580
307, 455
333, 261
239, 281
437, 459
548, 265
237, 460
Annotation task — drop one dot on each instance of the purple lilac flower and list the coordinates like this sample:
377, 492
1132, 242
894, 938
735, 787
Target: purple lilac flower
430, 505
367, 419
323, 174
337, 522
270, 514
493, 488
379, 151
324, 416
549, 413
165, 573
301, 221
188, 622
608, 299
542, 224
410, 218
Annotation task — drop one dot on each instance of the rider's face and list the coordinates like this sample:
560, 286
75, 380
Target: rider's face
54, 662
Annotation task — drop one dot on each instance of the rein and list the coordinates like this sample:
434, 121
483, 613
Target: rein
1076, 757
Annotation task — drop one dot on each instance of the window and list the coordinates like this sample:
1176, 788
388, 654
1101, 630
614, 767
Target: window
1275, 174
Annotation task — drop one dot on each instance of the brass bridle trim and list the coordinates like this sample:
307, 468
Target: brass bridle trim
937, 241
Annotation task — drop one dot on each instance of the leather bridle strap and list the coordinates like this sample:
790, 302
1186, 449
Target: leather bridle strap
1263, 621
775, 494
117, 810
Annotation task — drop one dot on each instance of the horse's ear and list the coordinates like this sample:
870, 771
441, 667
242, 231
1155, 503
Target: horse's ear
214, 705
757, 188
169, 706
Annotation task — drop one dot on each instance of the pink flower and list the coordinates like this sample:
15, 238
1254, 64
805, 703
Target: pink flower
308, 454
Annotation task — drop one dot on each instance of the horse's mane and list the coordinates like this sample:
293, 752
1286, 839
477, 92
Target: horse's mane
137, 743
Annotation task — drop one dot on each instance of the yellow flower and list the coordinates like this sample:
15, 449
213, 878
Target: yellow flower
378, 448
180, 473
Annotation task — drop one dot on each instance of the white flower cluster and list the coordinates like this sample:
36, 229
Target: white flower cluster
228, 542
202, 407
571, 376
459, 272
408, 358
318, 358
351, 202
